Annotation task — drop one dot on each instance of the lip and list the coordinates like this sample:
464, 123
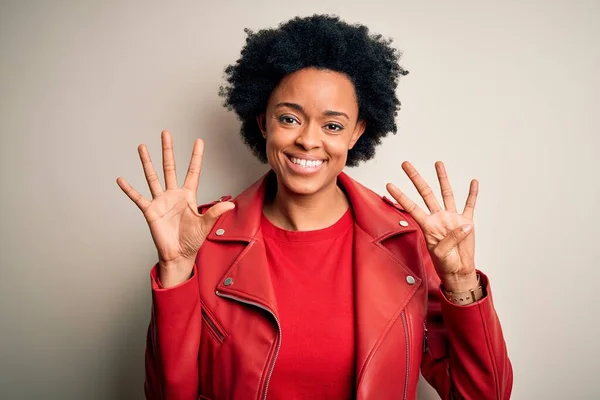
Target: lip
304, 170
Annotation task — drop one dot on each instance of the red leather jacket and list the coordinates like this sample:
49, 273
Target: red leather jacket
217, 335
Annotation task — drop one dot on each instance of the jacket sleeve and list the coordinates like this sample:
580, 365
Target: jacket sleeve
466, 356
173, 340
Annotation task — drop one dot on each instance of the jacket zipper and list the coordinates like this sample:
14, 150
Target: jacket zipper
213, 327
272, 366
424, 337
404, 325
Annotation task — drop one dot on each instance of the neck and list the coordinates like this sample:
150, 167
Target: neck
300, 212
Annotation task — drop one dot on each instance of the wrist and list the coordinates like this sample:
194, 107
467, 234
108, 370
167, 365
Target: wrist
466, 297
460, 283
171, 274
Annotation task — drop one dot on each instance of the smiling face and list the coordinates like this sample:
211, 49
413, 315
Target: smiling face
310, 123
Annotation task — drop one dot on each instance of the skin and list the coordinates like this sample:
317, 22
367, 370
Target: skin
312, 113
177, 229
449, 234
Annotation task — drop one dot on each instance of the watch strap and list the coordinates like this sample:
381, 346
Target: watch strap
465, 298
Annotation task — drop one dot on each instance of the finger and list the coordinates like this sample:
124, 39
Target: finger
413, 209
212, 214
168, 161
149, 171
422, 187
133, 194
471, 199
193, 174
452, 239
445, 187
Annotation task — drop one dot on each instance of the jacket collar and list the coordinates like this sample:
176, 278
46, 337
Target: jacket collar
372, 215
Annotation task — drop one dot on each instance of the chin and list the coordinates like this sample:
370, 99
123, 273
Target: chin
303, 185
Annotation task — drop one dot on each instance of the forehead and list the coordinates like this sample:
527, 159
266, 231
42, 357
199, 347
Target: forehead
316, 88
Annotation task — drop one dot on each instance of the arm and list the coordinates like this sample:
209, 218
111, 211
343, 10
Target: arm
173, 340
178, 232
466, 356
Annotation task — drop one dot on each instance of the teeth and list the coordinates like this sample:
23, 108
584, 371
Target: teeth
306, 163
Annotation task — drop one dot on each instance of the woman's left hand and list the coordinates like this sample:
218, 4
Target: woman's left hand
452, 247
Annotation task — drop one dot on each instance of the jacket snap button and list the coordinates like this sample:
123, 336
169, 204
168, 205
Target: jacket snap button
403, 223
228, 281
220, 232
411, 280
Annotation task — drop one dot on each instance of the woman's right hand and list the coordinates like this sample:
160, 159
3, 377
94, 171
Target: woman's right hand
178, 230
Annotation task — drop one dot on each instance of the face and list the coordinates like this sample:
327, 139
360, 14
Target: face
310, 123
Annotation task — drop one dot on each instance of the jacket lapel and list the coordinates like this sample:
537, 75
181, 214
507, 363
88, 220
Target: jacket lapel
248, 276
381, 287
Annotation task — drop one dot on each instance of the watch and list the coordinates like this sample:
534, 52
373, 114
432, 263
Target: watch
465, 298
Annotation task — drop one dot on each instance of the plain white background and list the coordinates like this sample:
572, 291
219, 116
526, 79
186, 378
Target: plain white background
505, 92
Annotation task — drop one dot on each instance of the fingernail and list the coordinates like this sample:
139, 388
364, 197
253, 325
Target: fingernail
467, 228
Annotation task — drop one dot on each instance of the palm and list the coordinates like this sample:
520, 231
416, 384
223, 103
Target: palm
436, 227
175, 225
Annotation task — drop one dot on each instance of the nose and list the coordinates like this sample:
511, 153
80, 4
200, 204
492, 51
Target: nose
309, 137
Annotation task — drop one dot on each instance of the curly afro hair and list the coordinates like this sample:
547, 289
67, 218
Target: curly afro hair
324, 42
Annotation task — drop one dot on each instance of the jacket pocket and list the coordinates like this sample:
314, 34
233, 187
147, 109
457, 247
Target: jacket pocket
213, 327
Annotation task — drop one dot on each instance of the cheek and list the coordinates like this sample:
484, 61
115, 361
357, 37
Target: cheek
337, 147
278, 139
273, 140
280, 136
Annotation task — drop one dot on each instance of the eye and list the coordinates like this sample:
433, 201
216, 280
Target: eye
287, 119
334, 127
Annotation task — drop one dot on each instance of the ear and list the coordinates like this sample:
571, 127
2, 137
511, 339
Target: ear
260, 120
359, 129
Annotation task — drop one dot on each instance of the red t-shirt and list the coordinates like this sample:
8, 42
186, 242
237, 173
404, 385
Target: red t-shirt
312, 275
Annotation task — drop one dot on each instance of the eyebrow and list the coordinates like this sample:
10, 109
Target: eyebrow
329, 113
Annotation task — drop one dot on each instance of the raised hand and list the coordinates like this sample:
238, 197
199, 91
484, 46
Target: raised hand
450, 235
178, 230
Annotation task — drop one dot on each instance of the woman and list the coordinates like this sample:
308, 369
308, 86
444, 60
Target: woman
309, 285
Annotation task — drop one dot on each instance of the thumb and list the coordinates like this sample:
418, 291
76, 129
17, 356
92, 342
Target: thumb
452, 239
212, 214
